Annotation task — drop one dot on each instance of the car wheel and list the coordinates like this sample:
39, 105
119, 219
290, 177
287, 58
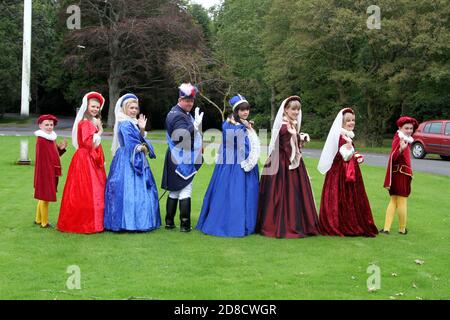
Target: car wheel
447, 158
418, 151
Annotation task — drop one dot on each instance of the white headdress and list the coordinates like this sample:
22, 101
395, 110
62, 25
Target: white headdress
331, 146
121, 116
279, 122
82, 111
187, 90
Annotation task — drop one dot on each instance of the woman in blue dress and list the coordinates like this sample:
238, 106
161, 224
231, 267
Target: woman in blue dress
231, 200
131, 196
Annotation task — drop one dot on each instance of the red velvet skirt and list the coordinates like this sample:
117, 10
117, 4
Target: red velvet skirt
286, 207
344, 206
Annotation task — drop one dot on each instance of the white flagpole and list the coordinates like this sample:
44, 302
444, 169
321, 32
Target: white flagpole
26, 59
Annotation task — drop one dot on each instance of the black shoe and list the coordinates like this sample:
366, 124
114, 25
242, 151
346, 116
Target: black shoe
37, 223
185, 215
404, 233
171, 210
384, 231
48, 225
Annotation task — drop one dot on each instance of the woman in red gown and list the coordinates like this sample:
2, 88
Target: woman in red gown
82, 203
344, 207
286, 207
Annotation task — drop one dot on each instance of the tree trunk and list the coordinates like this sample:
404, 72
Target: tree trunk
374, 137
404, 107
114, 92
273, 109
113, 80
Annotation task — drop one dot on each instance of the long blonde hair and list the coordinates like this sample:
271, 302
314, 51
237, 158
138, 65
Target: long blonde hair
127, 105
292, 104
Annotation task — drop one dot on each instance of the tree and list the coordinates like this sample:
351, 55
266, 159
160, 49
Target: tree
238, 45
206, 73
44, 42
127, 42
324, 49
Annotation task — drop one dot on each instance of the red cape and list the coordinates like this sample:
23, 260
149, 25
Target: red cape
394, 155
47, 170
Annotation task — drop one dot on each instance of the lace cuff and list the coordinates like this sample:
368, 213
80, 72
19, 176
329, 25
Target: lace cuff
255, 150
346, 153
97, 140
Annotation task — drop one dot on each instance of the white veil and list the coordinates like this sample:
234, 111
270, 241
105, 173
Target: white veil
80, 115
332, 144
279, 122
120, 116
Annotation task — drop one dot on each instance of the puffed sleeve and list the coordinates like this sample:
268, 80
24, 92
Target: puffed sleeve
253, 145
346, 153
151, 149
396, 154
87, 131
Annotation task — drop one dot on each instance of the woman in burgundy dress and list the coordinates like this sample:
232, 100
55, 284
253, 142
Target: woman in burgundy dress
286, 207
344, 207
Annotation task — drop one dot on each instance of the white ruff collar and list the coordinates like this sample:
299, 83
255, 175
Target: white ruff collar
349, 134
123, 117
40, 133
404, 137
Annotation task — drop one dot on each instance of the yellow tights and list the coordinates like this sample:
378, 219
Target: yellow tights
399, 204
42, 213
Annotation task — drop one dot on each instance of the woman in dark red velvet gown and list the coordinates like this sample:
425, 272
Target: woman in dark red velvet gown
82, 205
344, 207
286, 207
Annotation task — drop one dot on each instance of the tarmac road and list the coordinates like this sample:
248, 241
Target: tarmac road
64, 128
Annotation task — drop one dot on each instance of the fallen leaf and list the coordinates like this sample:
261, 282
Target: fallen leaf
418, 261
394, 274
414, 286
399, 294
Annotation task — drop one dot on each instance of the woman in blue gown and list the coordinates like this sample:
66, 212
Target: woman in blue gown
231, 200
131, 196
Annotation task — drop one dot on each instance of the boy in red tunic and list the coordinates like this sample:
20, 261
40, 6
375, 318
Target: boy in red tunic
48, 166
399, 174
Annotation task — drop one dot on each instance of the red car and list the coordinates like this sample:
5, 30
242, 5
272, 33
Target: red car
432, 137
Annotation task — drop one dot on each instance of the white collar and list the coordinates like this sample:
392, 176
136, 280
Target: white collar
404, 137
347, 133
123, 117
40, 133
93, 120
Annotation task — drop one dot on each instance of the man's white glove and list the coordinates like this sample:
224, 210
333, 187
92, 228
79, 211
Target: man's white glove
198, 118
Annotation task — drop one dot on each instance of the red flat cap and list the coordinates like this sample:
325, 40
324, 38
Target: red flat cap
47, 117
98, 96
405, 119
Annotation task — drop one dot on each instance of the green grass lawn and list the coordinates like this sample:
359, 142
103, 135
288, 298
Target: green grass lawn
172, 265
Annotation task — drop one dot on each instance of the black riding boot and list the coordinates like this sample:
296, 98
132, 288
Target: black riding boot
185, 215
171, 210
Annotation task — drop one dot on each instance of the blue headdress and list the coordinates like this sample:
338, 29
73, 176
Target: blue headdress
237, 100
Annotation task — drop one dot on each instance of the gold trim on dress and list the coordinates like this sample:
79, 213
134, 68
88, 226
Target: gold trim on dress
402, 169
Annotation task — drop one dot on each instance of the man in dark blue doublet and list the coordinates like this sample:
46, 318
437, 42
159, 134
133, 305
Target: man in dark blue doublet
183, 156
